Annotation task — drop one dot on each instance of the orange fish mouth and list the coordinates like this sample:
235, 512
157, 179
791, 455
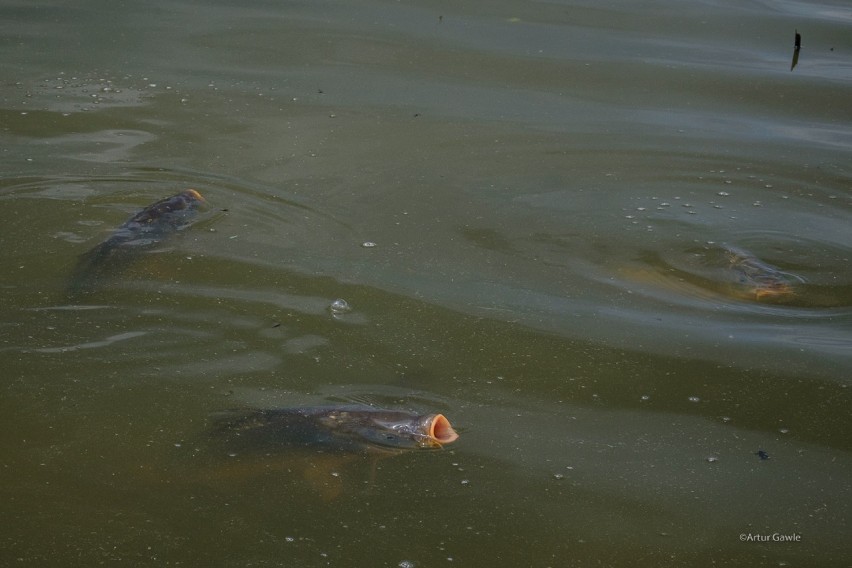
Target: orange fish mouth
195, 195
441, 431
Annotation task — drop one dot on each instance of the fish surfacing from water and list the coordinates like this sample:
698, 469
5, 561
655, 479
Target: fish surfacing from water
150, 226
317, 442
337, 429
761, 279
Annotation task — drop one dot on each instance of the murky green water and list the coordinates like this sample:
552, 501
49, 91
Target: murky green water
550, 187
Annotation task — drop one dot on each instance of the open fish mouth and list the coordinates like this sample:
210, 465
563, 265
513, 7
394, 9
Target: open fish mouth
194, 194
441, 431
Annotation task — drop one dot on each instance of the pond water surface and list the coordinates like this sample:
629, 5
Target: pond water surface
529, 208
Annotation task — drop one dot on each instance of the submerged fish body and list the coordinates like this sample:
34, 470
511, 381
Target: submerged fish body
763, 281
150, 226
156, 221
336, 429
719, 271
317, 443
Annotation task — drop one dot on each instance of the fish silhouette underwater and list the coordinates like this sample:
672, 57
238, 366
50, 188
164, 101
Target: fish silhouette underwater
140, 233
316, 442
760, 280
719, 271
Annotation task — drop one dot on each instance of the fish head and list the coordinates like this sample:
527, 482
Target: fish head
404, 431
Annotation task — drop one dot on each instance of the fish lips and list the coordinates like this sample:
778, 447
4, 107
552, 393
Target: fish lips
439, 430
428, 431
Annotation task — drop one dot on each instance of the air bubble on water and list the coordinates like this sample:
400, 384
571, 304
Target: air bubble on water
339, 307
368, 244
723, 193
726, 419
558, 476
289, 539
645, 397
784, 430
406, 564
465, 481
694, 399
711, 459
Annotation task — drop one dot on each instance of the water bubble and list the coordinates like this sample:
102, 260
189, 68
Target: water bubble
694, 399
645, 397
723, 193
711, 459
368, 244
406, 564
558, 476
784, 430
340, 306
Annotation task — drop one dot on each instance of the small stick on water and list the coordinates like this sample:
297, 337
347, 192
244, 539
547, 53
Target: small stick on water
797, 45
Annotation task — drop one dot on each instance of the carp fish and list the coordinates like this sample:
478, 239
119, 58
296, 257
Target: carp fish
150, 226
713, 272
338, 429
761, 280
315, 441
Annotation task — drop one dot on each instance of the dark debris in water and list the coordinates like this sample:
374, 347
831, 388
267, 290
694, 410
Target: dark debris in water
762, 454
